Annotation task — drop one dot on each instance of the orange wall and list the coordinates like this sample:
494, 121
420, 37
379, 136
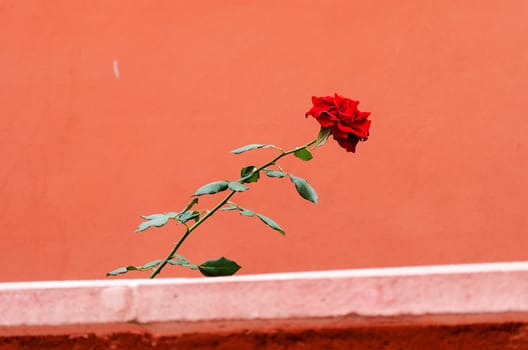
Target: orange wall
85, 152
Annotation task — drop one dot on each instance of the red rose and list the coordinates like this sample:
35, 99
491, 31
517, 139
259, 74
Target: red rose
349, 125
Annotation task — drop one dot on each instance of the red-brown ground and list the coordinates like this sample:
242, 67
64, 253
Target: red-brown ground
470, 337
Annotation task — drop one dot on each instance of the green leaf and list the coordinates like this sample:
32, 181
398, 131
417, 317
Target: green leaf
251, 147
211, 188
247, 148
156, 220
179, 257
248, 175
323, 135
121, 270
219, 267
188, 215
149, 265
117, 271
303, 154
304, 189
250, 213
231, 207
271, 223
273, 173
247, 212
190, 205
237, 186
159, 220
170, 215
184, 263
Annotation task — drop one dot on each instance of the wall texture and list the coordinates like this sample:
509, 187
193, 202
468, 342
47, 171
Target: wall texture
116, 109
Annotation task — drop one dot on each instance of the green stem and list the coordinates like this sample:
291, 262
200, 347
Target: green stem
218, 206
188, 232
282, 154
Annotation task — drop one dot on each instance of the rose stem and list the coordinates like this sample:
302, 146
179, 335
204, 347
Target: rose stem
219, 205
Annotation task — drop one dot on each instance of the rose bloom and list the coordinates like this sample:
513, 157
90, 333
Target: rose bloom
349, 125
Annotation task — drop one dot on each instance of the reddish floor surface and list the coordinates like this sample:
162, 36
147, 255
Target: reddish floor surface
483, 336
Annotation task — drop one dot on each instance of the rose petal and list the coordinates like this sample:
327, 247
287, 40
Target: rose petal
323, 101
349, 144
338, 133
327, 119
362, 115
347, 108
344, 128
361, 129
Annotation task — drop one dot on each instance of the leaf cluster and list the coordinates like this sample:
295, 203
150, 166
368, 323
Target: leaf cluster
210, 268
158, 220
248, 174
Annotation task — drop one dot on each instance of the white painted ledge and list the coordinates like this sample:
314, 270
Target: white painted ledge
490, 291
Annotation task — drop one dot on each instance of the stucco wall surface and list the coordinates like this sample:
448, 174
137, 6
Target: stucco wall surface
111, 110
